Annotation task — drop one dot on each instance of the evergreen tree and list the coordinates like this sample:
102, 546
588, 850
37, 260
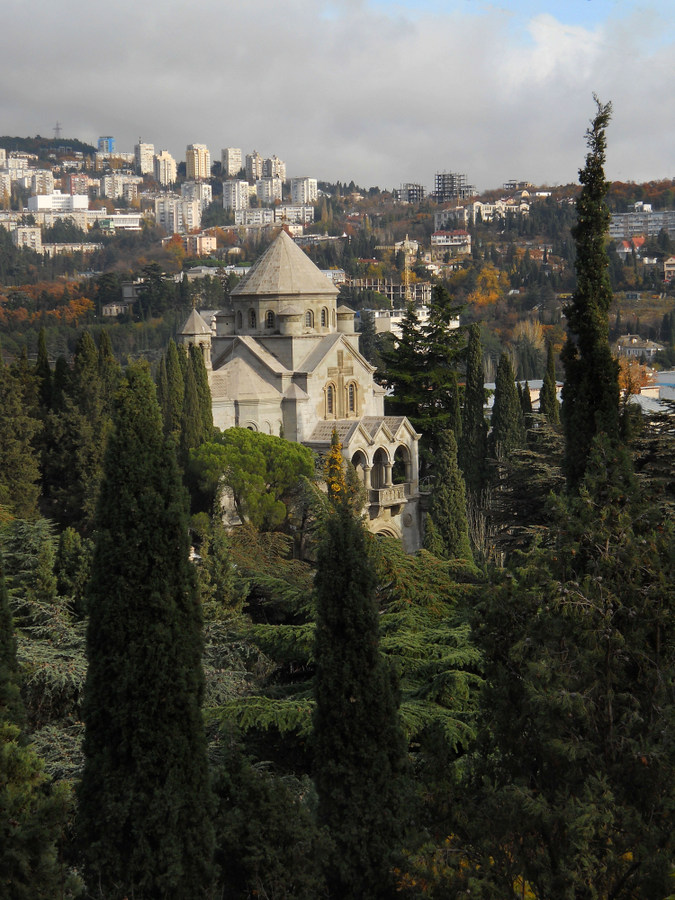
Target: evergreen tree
144, 796
360, 751
591, 387
508, 430
447, 511
526, 402
191, 425
548, 400
473, 447
203, 392
19, 467
43, 374
176, 389
368, 337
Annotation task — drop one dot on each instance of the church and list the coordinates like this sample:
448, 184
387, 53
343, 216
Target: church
284, 359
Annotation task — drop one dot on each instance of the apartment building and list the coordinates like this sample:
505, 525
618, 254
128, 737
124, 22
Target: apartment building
450, 186
456, 242
106, 144
176, 215
410, 193
112, 185
296, 215
236, 194
144, 156
29, 236
256, 216
58, 202
76, 183
269, 190
42, 182
197, 190
197, 162
231, 161
274, 168
304, 190
254, 167
642, 220
165, 169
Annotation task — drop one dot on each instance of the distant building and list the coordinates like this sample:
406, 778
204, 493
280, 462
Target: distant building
144, 157
58, 202
257, 216
42, 182
456, 242
197, 190
517, 185
455, 215
165, 169
274, 168
106, 144
177, 216
269, 190
76, 183
112, 185
642, 221
452, 186
304, 190
410, 193
231, 161
199, 244
29, 236
632, 345
197, 162
669, 268
235, 194
254, 167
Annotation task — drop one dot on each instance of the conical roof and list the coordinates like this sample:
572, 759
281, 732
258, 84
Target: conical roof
195, 325
284, 269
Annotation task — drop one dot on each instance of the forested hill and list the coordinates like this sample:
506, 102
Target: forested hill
42, 145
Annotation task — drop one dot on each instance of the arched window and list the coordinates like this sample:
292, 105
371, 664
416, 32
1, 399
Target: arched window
269, 319
239, 320
351, 397
330, 400
324, 317
252, 318
309, 319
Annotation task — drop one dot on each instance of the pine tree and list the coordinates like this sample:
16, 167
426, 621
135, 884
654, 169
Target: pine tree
447, 511
359, 747
473, 447
43, 374
591, 387
548, 400
508, 430
144, 796
19, 466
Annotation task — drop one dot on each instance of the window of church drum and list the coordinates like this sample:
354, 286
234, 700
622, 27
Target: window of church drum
351, 398
309, 319
330, 400
252, 321
324, 317
269, 319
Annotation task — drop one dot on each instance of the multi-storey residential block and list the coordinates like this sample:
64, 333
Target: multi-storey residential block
268, 189
16, 166
235, 194
197, 162
274, 168
143, 154
175, 215
452, 186
197, 190
302, 214
304, 190
58, 202
199, 244
258, 216
254, 166
642, 220
112, 185
164, 166
5, 189
410, 193
130, 192
28, 236
231, 161
106, 144
76, 183
3, 158
42, 181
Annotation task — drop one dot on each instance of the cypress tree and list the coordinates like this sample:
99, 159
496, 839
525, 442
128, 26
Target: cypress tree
447, 511
176, 389
548, 401
191, 424
473, 447
591, 388
526, 401
203, 392
43, 373
360, 751
145, 801
508, 431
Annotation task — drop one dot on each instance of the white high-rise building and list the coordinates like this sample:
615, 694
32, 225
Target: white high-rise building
254, 166
231, 160
144, 156
197, 162
165, 168
112, 185
274, 168
197, 190
42, 181
268, 189
235, 195
58, 202
177, 216
304, 190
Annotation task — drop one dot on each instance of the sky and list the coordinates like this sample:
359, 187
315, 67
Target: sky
376, 92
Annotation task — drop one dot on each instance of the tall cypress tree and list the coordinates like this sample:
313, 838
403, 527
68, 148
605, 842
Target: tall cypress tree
473, 446
360, 751
203, 392
591, 388
449, 536
508, 430
176, 389
144, 796
548, 400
